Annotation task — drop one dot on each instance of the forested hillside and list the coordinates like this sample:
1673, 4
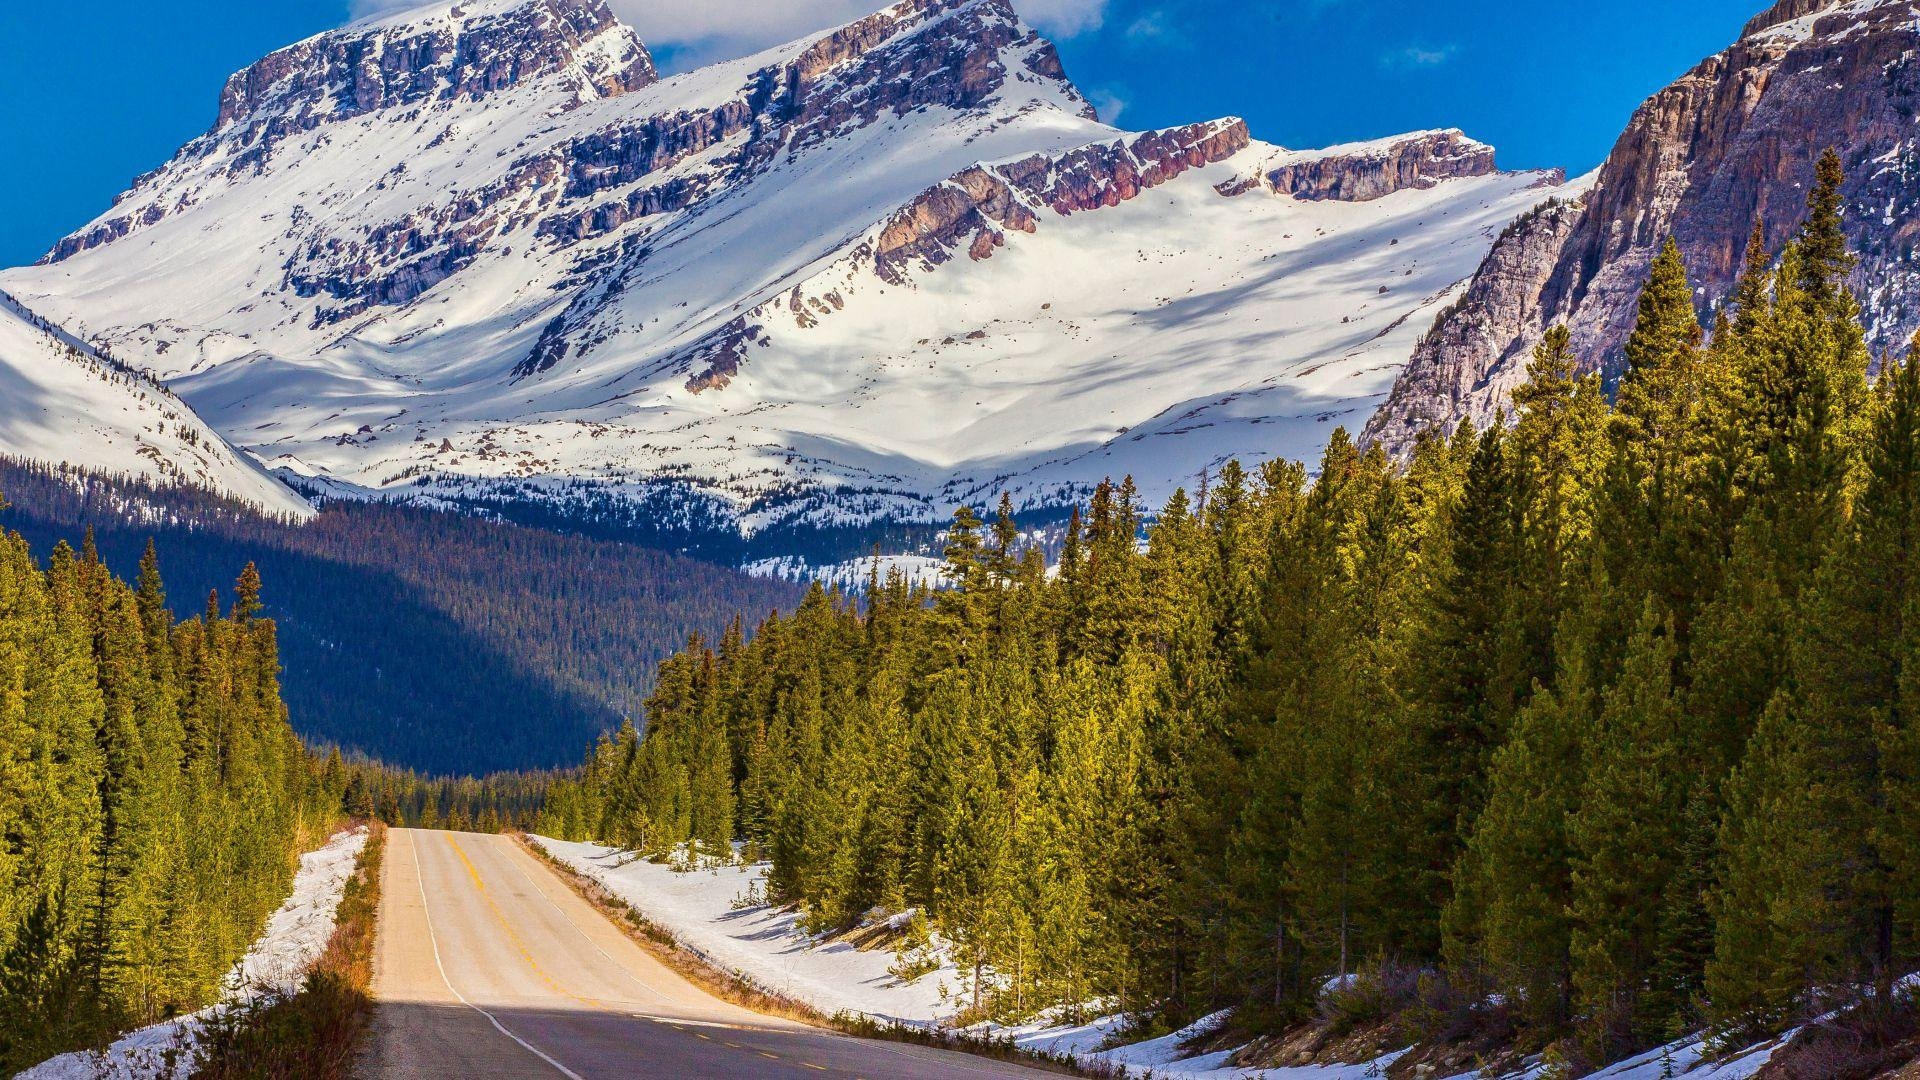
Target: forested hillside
1602, 719
434, 641
153, 799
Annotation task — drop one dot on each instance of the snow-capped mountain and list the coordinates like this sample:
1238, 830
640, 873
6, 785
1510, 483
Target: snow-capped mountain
1730, 144
63, 402
481, 250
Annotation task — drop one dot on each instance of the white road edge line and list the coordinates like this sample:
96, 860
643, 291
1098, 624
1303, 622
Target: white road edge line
426, 911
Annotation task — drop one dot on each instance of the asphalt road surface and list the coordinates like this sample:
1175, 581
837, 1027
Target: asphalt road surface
488, 965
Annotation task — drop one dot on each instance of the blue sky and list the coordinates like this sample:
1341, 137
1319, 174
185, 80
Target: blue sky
93, 92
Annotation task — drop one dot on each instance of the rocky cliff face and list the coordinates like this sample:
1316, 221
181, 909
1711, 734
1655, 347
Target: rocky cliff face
1732, 142
1475, 354
971, 211
973, 208
419, 58
1375, 170
475, 50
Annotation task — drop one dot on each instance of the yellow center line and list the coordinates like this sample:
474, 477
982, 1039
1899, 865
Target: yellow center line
526, 953
518, 943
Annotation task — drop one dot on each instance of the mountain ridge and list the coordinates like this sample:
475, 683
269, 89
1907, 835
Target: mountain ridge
61, 398
1732, 142
430, 268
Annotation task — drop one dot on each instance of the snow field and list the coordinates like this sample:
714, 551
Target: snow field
767, 945
1157, 338
60, 402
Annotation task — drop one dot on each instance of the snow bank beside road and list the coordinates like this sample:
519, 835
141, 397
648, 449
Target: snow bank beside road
767, 945
764, 943
293, 939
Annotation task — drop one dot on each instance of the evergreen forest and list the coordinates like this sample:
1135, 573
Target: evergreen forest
1600, 719
153, 798
446, 644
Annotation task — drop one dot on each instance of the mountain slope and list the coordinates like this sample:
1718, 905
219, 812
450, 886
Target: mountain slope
1732, 142
63, 402
428, 640
480, 251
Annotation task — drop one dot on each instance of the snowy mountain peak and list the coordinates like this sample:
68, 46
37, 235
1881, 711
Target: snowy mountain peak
417, 67
958, 53
439, 51
480, 253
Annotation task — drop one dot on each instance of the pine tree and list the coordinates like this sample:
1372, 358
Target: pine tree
1655, 527
1624, 836
1825, 260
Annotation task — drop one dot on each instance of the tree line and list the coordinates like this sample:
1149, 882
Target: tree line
153, 799
1599, 717
408, 799
425, 639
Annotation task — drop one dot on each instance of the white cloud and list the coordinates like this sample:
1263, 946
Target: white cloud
360, 9
1157, 29
1109, 105
1063, 18
1419, 56
1148, 27
696, 32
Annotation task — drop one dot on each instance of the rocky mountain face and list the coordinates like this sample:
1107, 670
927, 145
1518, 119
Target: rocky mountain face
1732, 142
1361, 174
481, 253
972, 211
479, 49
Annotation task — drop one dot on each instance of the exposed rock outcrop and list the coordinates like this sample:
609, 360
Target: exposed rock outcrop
481, 48
973, 208
1732, 142
1374, 170
475, 50
1495, 317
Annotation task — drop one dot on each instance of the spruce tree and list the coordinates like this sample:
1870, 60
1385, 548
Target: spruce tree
1624, 836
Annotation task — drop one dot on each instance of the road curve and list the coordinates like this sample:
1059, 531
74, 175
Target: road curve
488, 965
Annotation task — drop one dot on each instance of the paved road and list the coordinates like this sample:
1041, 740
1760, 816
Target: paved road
488, 965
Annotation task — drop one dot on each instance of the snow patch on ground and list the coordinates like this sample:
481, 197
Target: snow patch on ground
851, 575
1683, 1059
767, 945
762, 942
293, 939
710, 911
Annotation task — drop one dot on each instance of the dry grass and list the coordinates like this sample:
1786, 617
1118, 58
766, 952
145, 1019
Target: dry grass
731, 986
315, 1033
1871, 1040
